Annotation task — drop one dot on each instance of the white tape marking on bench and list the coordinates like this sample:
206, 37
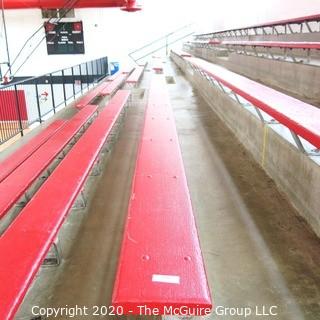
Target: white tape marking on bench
165, 278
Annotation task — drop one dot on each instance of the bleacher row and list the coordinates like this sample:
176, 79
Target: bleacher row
300, 118
290, 51
40, 182
108, 87
160, 264
77, 145
266, 44
292, 40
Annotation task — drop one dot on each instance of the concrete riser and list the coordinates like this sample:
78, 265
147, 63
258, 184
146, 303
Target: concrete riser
293, 172
298, 79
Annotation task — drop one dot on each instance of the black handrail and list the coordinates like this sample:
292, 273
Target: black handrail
31, 100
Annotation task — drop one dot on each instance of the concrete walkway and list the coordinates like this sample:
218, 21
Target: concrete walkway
257, 251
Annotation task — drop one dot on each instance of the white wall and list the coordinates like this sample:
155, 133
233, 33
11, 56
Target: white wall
231, 13
114, 33
22, 23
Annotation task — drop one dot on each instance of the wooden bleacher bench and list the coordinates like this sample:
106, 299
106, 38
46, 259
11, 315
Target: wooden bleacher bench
269, 44
17, 183
105, 88
158, 68
198, 42
214, 42
275, 44
135, 76
115, 75
26, 242
298, 20
160, 263
9, 164
114, 85
128, 70
183, 53
300, 117
157, 64
87, 98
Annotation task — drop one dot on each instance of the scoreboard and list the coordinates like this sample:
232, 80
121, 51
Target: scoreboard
64, 37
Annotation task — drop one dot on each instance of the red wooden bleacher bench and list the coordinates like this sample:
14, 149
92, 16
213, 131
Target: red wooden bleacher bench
15, 185
158, 68
114, 85
93, 94
114, 76
128, 70
105, 88
303, 45
204, 43
13, 161
123, 71
157, 65
214, 42
275, 44
298, 20
182, 53
24, 245
135, 76
199, 42
160, 264
300, 117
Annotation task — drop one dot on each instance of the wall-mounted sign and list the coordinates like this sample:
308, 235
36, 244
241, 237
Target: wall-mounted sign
64, 37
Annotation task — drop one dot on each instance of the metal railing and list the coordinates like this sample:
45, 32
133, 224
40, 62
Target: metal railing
296, 26
31, 101
162, 43
308, 145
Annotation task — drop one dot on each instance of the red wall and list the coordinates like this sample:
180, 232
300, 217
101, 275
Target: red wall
8, 106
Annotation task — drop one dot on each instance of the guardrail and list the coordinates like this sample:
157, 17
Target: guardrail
270, 106
306, 24
31, 101
162, 43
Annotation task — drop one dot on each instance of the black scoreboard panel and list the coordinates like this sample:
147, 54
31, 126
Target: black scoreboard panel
65, 38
